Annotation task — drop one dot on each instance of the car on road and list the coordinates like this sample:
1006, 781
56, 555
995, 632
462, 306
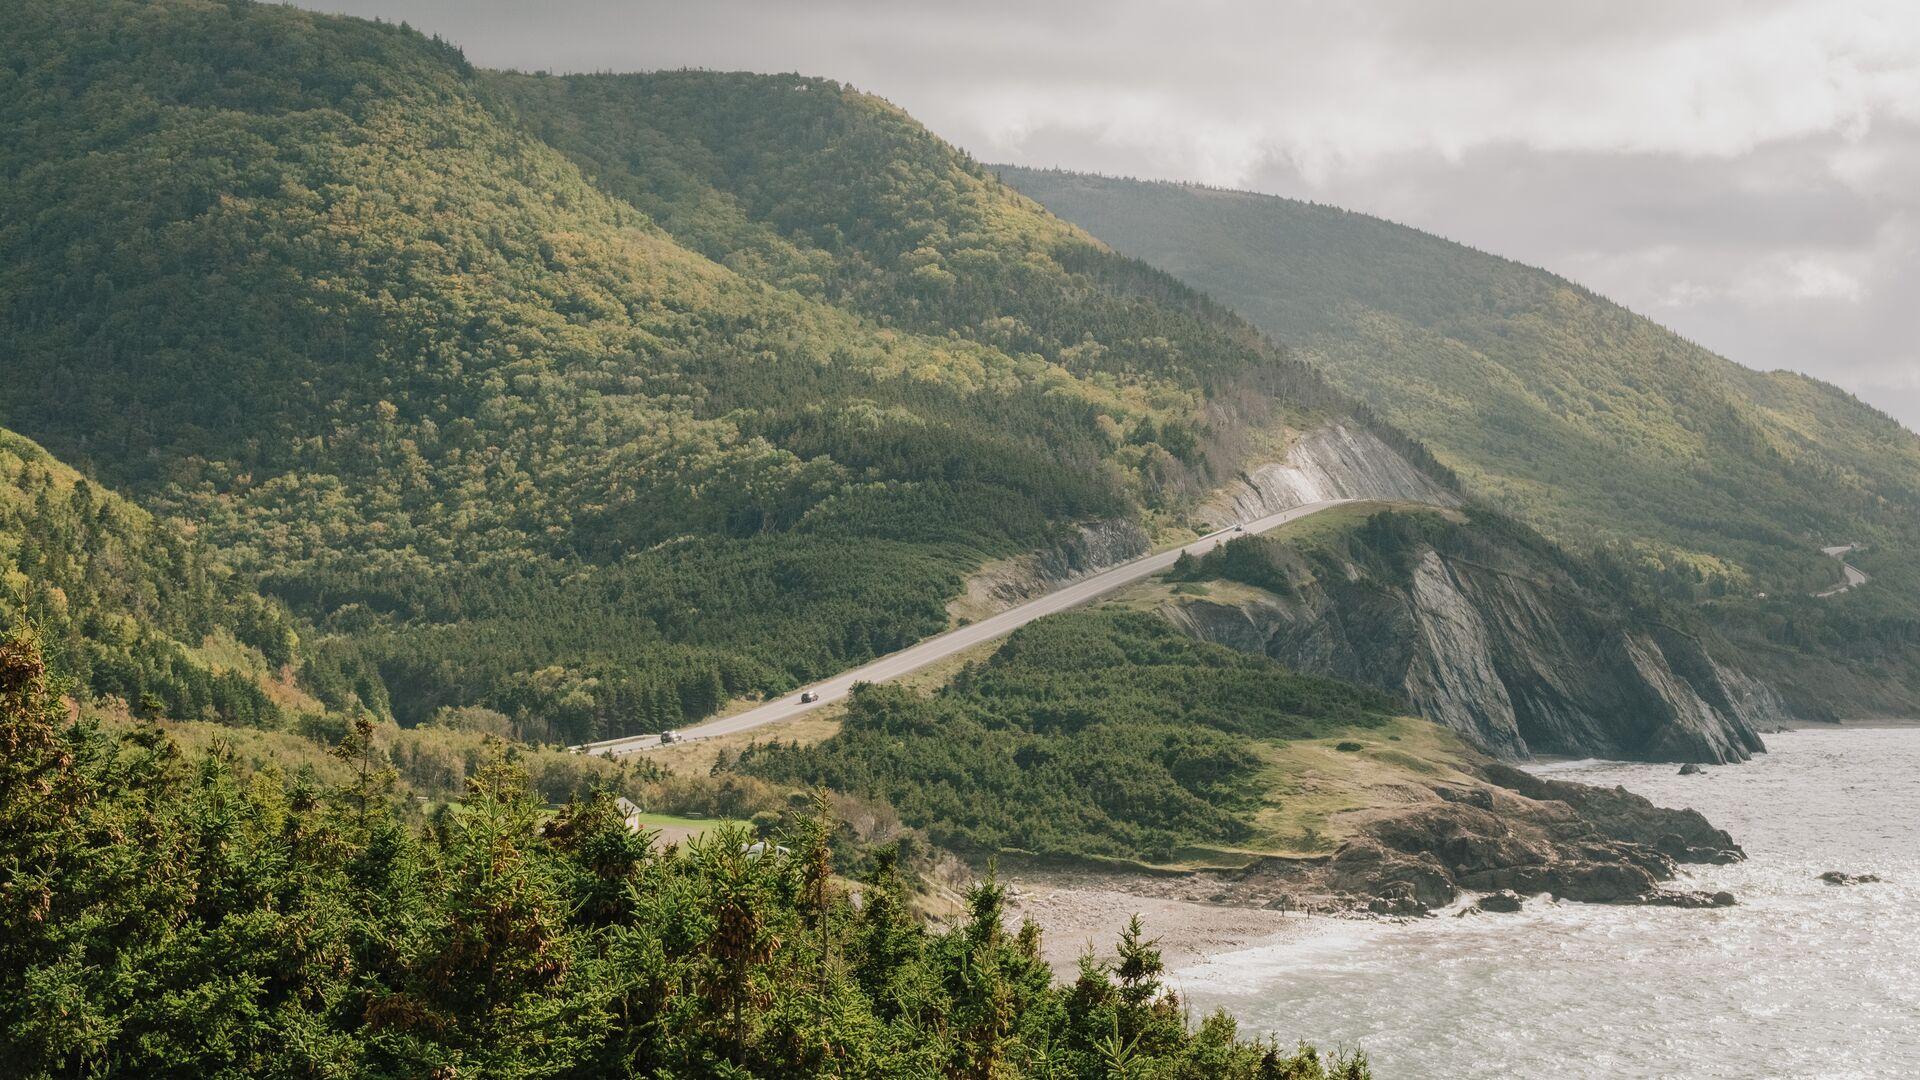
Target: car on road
669, 737
809, 697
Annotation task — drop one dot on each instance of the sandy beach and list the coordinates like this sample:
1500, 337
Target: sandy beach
1076, 915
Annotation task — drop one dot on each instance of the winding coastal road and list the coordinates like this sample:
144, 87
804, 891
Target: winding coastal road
937, 648
1854, 578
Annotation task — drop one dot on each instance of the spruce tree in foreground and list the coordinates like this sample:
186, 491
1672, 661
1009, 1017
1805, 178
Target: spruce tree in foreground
168, 917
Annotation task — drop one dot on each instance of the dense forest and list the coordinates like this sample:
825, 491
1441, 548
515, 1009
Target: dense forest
127, 604
267, 925
1097, 733
595, 401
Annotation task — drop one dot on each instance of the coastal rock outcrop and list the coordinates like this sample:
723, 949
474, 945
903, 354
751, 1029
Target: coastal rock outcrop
1835, 877
1493, 637
1515, 836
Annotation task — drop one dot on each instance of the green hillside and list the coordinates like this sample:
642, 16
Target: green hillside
599, 449
1559, 406
841, 196
130, 607
1091, 733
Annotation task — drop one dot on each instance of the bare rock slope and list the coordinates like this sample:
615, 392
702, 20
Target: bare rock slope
1498, 640
1333, 462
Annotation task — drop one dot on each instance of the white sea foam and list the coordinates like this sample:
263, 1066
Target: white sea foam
1802, 979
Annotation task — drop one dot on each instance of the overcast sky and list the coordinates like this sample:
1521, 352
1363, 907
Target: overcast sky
1746, 173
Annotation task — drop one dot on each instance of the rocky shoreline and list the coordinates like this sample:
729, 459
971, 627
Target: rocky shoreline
1509, 836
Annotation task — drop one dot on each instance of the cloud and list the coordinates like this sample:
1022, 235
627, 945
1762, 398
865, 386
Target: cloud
1744, 169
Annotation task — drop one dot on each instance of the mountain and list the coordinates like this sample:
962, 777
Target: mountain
601, 401
130, 607
1595, 425
725, 388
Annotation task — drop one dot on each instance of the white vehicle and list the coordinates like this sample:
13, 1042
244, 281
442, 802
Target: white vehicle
667, 737
809, 697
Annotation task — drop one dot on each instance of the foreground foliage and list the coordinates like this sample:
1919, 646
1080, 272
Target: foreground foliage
166, 916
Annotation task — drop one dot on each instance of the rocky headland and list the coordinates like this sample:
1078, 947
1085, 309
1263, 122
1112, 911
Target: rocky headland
1488, 631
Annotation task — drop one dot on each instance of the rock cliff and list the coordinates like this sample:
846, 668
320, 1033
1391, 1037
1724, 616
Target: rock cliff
1332, 462
1088, 549
1490, 633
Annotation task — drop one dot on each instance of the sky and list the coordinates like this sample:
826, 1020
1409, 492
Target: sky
1747, 173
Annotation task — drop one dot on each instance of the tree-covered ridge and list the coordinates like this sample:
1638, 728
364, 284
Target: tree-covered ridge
125, 602
428, 298
168, 916
1099, 733
1561, 407
816, 187
318, 286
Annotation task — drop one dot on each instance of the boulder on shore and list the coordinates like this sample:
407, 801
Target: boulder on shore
1675, 847
1835, 877
1501, 901
1686, 899
1398, 898
1691, 768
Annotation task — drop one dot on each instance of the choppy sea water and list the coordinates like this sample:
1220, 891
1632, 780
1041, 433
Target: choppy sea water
1801, 980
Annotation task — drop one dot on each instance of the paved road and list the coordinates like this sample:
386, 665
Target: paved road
1854, 576
915, 657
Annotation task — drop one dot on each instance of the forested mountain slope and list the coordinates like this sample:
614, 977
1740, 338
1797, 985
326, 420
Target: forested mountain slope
127, 605
810, 185
1559, 406
506, 431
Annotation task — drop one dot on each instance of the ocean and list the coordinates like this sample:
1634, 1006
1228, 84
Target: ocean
1802, 979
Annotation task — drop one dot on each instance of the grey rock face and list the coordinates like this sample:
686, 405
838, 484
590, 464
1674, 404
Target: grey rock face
1334, 462
1090, 548
1503, 659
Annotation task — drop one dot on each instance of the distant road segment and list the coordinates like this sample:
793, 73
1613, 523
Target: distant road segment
938, 648
1854, 577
